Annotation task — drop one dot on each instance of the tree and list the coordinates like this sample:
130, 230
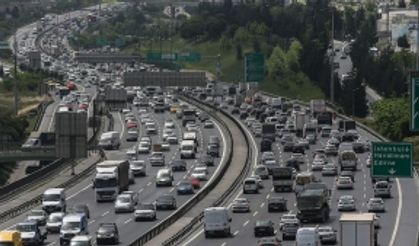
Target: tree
403, 42
277, 63
239, 52
15, 12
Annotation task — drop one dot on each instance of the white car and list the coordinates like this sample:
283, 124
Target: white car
54, 222
138, 168
191, 127
346, 203
327, 235
167, 132
376, 204
288, 218
208, 124
169, 124
200, 173
172, 139
344, 183
124, 203
165, 146
145, 211
299, 157
319, 162
133, 194
240, 205
144, 148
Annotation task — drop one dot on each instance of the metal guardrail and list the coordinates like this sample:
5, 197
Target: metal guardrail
188, 205
236, 184
40, 114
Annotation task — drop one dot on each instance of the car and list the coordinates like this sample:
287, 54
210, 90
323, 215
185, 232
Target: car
346, 203
81, 208
184, 187
134, 195
196, 183
319, 161
359, 146
289, 229
30, 233
132, 124
124, 203
376, 204
169, 124
107, 233
157, 159
37, 215
344, 183
167, 132
288, 146
166, 201
262, 171
299, 158
311, 138
179, 165
327, 235
201, 173
329, 170
54, 222
165, 146
258, 180
285, 218
150, 129
145, 211
277, 204
144, 147
172, 139
347, 173
240, 205
191, 127
269, 241
304, 142
138, 167
331, 149
81, 240
264, 228
334, 140
208, 124
208, 160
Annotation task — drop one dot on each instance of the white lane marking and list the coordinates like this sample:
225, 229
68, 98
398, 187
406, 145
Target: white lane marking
365, 195
78, 192
127, 221
245, 223
105, 213
141, 190
399, 210
51, 243
255, 213
223, 244
267, 196
92, 221
149, 183
172, 189
122, 125
236, 232
261, 205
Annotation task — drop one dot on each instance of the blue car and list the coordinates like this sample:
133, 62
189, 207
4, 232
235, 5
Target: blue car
185, 187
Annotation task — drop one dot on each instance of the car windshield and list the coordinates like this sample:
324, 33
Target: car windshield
138, 164
55, 218
26, 228
70, 225
184, 183
51, 197
124, 199
165, 198
146, 207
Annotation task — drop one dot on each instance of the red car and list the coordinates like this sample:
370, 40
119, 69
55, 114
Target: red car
196, 183
83, 106
132, 124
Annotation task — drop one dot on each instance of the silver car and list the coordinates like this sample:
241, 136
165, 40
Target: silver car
138, 168
327, 235
39, 216
124, 203
54, 222
145, 211
240, 205
346, 203
157, 159
375, 204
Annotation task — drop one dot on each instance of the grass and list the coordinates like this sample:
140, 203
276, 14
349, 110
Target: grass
231, 68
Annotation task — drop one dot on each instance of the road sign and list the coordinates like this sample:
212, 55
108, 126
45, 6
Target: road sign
391, 159
189, 56
254, 67
414, 101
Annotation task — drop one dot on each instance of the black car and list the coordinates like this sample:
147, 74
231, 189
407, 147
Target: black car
299, 148
179, 165
277, 204
107, 233
166, 201
288, 146
293, 162
235, 111
208, 160
264, 228
358, 147
244, 115
81, 208
203, 117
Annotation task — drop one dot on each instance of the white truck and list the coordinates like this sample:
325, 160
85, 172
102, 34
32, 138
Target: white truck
348, 160
109, 140
187, 149
191, 136
300, 120
217, 221
357, 229
112, 177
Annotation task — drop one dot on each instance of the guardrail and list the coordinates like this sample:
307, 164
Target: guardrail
236, 184
40, 114
188, 205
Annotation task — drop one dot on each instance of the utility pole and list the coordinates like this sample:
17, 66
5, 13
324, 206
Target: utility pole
417, 39
332, 59
15, 72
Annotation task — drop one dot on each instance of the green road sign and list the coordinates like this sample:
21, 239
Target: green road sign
414, 101
189, 56
391, 159
101, 41
254, 67
119, 42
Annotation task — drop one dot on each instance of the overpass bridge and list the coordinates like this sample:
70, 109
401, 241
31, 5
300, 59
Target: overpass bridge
85, 57
46, 153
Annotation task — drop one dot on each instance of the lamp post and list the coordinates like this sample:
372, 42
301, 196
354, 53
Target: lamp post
332, 59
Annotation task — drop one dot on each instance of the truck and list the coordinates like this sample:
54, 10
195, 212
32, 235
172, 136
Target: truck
357, 229
300, 120
268, 131
313, 205
189, 115
317, 106
10, 238
324, 118
310, 129
109, 140
282, 179
348, 160
346, 125
112, 177
238, 100
31, 233
217, 220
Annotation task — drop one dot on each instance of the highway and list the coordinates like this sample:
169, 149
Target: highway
398, 224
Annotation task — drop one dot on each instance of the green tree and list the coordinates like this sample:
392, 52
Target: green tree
277, 63
239, 52
293, 56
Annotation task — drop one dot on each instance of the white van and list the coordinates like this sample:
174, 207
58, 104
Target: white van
73, 225
382, 189
187, 149
307, 236
164, 177
250, 185
217, 221
109, 140
53, 200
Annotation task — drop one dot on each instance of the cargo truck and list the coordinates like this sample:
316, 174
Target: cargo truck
317, 106
189, 115
282, 179
269, 131
300, 120
357, 229
348, 160
112, 177
312, 205
346, 125
10, 238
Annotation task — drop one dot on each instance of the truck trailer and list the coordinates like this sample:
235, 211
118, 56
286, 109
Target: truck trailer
357, 229
112, 177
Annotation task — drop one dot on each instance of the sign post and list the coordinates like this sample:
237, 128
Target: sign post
391, 159
414, 101
254, 67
